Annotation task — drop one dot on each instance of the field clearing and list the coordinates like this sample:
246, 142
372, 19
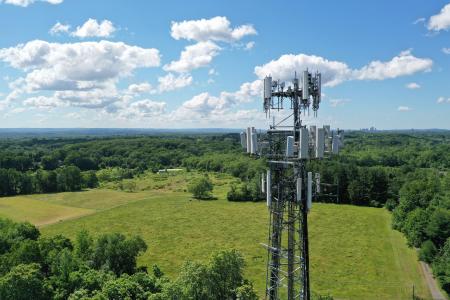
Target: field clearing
354, 253
24, 208
97, 199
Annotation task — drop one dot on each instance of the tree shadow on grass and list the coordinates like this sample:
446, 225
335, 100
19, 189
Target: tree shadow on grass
211, 198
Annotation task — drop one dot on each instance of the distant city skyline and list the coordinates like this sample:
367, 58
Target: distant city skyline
199, 64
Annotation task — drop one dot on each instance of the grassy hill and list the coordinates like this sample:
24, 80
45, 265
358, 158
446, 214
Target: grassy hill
354, 253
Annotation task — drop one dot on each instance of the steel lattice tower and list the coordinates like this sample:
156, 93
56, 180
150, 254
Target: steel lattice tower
287, 146
287, 187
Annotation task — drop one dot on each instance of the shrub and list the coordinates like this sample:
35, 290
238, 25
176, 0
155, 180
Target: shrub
427, 251
201, 188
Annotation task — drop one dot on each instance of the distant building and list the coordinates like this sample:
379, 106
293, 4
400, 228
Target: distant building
371, 129
164, 171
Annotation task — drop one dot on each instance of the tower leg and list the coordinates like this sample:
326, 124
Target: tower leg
291, 250
275, 248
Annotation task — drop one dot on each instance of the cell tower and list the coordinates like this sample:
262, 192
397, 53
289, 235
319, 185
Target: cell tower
287, 146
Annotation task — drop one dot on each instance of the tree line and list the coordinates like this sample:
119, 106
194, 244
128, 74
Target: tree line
64, 164
423, 215
63, 179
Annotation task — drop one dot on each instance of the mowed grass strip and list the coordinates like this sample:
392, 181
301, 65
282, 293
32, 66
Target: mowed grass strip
38, 212
97, 199
354, 253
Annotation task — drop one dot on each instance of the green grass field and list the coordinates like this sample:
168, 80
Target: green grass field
24, 208
354, 253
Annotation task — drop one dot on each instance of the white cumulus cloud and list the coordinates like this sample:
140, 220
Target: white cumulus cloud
94, 99
92, 28
82, 74
205, 105
413, 86
42, 102
404, 108
142, 109
419, 20
283, 68
139, 88
446, 50
442, 100
194, 57
338, 102
81, 61
249, 45
202, 106
440, 21
25, 3
336, 72
59, 28
214, 29
403, 64
170, 82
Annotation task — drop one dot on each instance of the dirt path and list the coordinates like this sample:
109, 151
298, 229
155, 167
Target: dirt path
436, 293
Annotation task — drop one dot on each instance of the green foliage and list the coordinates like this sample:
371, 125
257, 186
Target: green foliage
438, 227
226, 273
123, 288
12, 233
239, 193
427, 251
23, 282
220, 279
406, 173
351, 184
390, 204
89, 180
63, 179
69, 179
194, 281
80, 161
157, 271
441, 266
117, 253
50, 247
54, 165
127, 185
246, 292
414, 227
250, 191
46, 181
113, 174
25, 252
201, 188
83, 294
84, 245
13, 182
50, 162
89, 279
423, 215
50, 268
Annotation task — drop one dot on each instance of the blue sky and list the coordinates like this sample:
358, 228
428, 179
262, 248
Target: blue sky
178, 64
